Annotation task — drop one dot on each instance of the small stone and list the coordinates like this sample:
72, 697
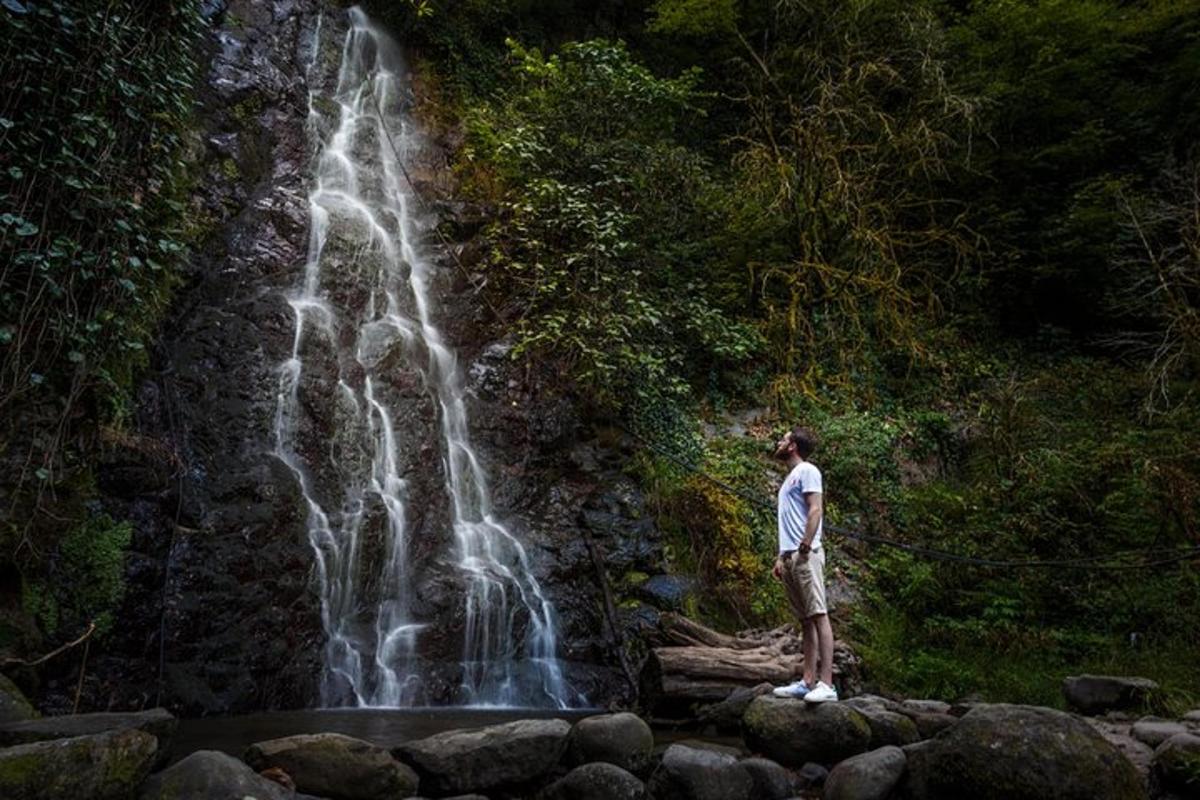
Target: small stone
622, 739
1095, 694
812, 776
688, 773
867, 776
597, 781
770, 780
667, 592
1154, 730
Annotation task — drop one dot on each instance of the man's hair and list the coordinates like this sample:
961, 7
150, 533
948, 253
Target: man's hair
804, 439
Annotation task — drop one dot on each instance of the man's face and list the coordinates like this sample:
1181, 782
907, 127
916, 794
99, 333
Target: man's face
784, 447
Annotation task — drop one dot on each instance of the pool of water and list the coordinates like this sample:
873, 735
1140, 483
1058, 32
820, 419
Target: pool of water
384, 727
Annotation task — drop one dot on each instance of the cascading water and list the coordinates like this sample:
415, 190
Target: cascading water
362, 317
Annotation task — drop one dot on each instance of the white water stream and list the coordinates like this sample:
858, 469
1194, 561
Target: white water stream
363, 319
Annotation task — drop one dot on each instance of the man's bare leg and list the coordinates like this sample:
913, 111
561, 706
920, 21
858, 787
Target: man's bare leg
809, 646
823, 633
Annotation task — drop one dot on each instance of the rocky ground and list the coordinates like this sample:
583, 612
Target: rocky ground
863, 748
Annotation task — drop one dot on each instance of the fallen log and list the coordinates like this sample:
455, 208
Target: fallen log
693, 664
680, 675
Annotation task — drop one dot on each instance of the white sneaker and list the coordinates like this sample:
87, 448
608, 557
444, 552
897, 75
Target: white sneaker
797, 690
821, 693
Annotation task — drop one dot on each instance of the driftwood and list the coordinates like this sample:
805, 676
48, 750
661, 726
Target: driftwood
690, 663
693, 663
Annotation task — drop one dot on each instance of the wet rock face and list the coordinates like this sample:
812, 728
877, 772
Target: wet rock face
219, 614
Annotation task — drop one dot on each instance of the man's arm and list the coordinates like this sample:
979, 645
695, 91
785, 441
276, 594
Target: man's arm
816, 510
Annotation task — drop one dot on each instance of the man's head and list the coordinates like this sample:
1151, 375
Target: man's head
799, 442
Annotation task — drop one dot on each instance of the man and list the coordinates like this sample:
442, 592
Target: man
801, 565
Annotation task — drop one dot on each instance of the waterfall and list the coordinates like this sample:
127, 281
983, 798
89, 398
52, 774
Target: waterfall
363, 315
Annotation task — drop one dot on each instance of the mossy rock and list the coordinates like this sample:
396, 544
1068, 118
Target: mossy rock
109, 766
335, 766
795, 733
207, 774
1008, 752
1176, 766
14, 706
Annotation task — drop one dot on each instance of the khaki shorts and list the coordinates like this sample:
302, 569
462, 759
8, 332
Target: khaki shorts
804, 581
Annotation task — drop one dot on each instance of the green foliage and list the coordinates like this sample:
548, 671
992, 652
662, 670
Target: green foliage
695, 17
92, 137
597, 250
85, 580
1082, 97
840, 218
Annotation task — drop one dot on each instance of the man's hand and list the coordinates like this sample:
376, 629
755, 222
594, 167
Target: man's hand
777, 570
803, 549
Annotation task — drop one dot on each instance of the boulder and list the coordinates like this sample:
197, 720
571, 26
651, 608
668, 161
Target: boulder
157, 722
1176, 767
1095, 694
872, 701
466, 761
866, 776
667, 592
335, 766
208, 775
1008, 752
716, 747
621, 739
890, 728
14, 706
930, 725
1192, 717
925, 706
770, 780
727, 715
1153, 731
105, 766
793, 732
688, 773
597, 781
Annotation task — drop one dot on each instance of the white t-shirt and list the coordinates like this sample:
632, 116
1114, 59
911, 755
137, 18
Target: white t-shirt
793, 508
